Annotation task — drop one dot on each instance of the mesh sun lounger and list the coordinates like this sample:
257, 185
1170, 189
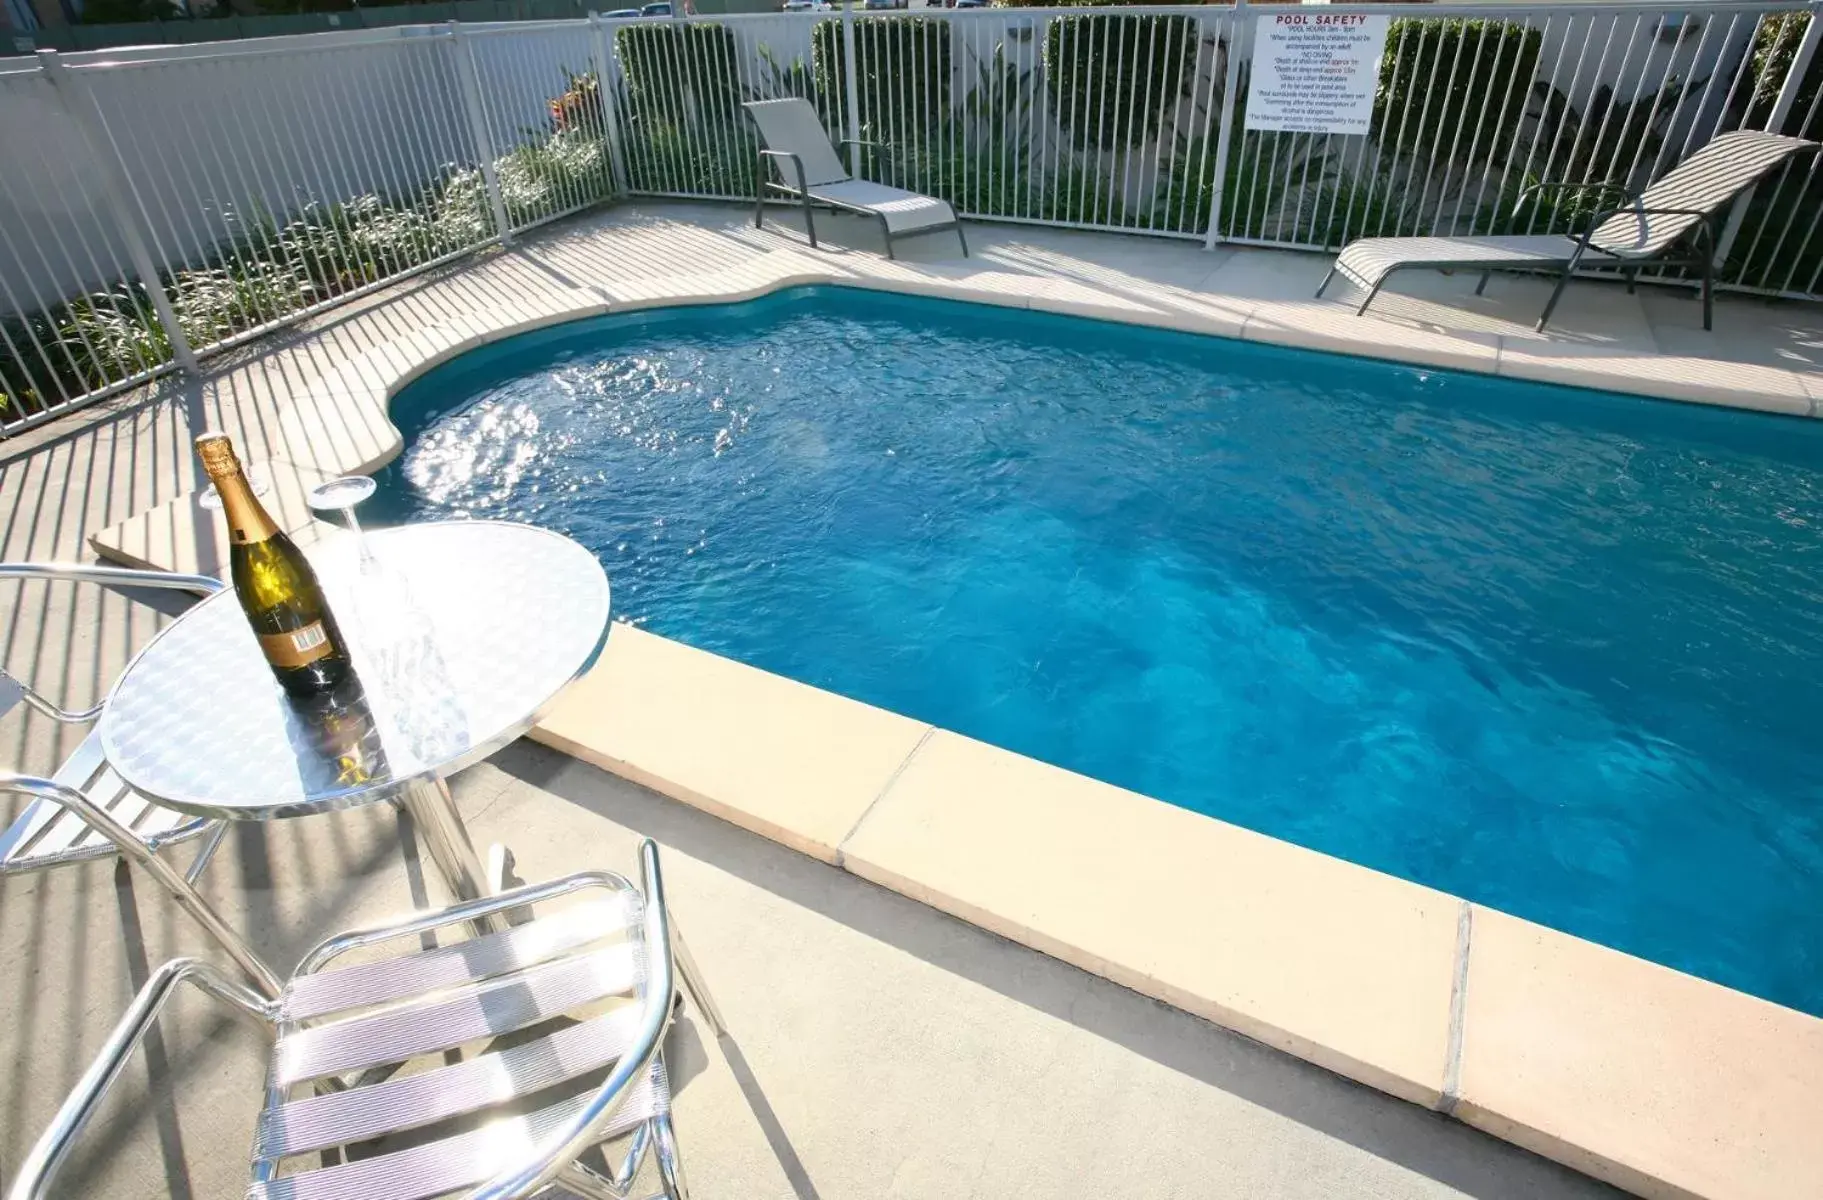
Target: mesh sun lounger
811, 172
1647, 229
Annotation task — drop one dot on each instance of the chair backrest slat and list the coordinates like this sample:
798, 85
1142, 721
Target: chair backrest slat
792, 126
1705, 182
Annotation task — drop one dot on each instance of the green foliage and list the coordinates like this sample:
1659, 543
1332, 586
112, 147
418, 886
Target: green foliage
663, 158
1602, 143
1440, 80
902, 74
977, 157
264, 272
679, 73
1115, 78
1775, 46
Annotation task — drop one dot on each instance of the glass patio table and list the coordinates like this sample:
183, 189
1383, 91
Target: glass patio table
461, 635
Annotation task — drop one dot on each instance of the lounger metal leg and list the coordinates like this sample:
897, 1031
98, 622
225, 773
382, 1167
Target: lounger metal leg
1371, 293
1563, 281
1482, 286
1325, 283
692, 977
1632, 278
587, 1184
1708, 293
810, 225
886, 235
961, 239
759, 192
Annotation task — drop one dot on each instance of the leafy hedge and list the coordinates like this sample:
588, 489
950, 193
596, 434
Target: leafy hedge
1115, 78
902, 74
268, 272
1455, 84
680, 73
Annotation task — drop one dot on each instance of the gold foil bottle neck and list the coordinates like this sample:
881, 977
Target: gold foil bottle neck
217, 453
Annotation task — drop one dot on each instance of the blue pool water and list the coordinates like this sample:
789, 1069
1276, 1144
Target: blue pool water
1553, 650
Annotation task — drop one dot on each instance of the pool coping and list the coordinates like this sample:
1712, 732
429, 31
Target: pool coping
1658, 1082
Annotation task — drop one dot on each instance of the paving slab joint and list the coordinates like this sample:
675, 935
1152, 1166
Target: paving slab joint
1459, 994
841, 856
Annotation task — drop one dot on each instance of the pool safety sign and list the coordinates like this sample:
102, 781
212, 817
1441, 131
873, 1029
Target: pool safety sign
1315, 72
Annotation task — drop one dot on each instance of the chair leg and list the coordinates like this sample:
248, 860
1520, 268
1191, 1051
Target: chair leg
1325, 284
692, 978
1563, 281
1632, 279
1708, 294
759, 194
810, 225
1371, 293
961, 239
670, 1165
1482, 286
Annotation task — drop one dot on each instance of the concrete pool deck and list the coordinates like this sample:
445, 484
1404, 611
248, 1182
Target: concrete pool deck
1657, 1082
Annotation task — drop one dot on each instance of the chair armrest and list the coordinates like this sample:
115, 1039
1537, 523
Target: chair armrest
1640, 210
135, 849
53, 1147
202, 585
797, 165
562, 1146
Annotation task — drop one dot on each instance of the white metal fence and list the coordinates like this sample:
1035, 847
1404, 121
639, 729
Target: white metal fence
161, 203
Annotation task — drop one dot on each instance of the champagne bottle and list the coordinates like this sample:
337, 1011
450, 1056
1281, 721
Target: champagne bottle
277, 589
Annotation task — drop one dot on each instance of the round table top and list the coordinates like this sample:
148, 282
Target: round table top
461, 633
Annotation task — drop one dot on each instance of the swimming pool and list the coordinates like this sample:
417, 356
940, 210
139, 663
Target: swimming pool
1556, 651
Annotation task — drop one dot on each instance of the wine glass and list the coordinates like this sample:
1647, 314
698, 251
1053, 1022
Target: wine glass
341, 495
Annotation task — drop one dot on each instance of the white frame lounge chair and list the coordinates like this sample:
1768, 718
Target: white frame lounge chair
562, 1018
792, 135
1643, 231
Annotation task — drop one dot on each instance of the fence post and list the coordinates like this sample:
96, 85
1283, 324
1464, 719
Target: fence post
81, 106
1231, 82
605, 89
477, 124
1781, 108
852, 89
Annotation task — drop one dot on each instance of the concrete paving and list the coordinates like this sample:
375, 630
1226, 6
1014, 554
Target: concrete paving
878, 1049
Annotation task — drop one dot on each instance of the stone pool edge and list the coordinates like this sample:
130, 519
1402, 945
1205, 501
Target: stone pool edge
1656, 1081
1665, 1085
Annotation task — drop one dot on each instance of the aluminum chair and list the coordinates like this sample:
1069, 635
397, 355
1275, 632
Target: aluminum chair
567, 1010
84, 811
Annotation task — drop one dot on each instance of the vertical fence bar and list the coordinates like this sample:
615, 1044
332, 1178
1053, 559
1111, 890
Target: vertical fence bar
604, 95
851, 88
1231, 77
469, 79
79, 103
1781, 109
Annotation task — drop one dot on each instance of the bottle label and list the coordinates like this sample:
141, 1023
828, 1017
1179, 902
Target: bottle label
297, 648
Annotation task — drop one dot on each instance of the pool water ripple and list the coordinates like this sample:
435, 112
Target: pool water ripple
1556, 651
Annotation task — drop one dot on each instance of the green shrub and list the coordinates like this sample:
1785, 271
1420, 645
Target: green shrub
1775, 45
680, 73
902, 75
1441, 79
1115, 78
